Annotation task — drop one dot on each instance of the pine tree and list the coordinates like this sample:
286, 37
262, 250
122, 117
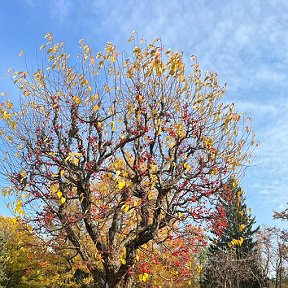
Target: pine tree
232, 256
239, 232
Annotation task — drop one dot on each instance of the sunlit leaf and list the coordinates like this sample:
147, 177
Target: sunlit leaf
121, 184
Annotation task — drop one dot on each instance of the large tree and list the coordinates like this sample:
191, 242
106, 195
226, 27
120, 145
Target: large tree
233, 256
111, 151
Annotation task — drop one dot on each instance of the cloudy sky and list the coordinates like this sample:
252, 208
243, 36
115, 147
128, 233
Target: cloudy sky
245, 42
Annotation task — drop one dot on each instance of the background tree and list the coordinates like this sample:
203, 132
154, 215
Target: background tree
273, 255
273, 252
3, 260
157, 138
282, 269
282, 215
25, 262
232, 256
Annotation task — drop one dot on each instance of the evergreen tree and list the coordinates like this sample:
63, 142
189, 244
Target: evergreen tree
239, 232
232, 256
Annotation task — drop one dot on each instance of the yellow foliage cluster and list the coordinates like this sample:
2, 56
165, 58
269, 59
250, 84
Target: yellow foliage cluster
236, 242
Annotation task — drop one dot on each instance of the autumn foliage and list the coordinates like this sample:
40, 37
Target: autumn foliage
25, 262
115, 154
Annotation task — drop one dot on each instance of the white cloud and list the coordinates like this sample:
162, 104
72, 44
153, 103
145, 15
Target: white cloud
253, 107
266, 181
60, 9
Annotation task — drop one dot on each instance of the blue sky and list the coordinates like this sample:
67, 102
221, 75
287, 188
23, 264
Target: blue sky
245, 42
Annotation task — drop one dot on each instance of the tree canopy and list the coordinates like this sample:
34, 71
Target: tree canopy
110, 153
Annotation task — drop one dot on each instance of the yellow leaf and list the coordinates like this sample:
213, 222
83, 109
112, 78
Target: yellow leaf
172, 144
153, 167
121, 184
59, 194
137, 50
54, 188
96, 108
75, 161
18, 207
126, 208
4, 192
130, 108
143, 277
118, 164
214, 171
77, 100
7, 116
123, 256
100, 64
150, 195
241, 240
23, 174
13, 124
234, 183
199, 268
9, 105
73, 157
94, 97
242, 227
187, 167
63, 200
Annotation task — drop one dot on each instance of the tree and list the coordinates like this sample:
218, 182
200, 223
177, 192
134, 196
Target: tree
157, 138
273, 251
281, 272
3, 256
282, 215
25, 261
232, 257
